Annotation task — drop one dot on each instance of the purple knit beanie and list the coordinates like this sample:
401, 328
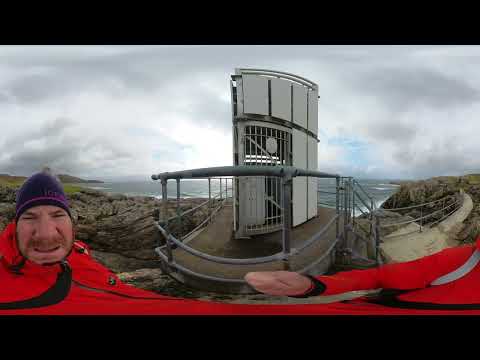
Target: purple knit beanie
40, 189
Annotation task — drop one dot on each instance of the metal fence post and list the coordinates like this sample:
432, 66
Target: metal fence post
221, 189
337, 207
287, 221
345, 213
377, 240
421, 217
164, 218
179, 219
353, 203
209, 199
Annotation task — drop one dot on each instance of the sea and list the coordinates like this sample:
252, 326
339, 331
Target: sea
378, 189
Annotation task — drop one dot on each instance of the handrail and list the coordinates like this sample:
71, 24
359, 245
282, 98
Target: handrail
186, 212
190, 272
327, 192
219, 259
415, 206
242, 170
359, 208
363, 202
204, 221
315, 237
363, 190
422, 217
321, 258
414, 231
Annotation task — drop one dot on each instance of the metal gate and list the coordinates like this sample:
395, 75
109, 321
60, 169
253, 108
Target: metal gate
261, 197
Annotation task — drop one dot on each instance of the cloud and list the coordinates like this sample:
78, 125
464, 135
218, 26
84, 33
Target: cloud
120, 110
403, 88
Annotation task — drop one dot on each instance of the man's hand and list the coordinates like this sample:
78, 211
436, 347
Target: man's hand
287, 283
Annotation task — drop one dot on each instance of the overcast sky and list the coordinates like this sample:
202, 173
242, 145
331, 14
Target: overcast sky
105, 111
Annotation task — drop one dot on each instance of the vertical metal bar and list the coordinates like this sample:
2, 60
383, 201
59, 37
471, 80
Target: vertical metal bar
373, 229
209, 199
345, 215
179, 219
248, 148
286, 188
377, 241
421, 217
164, 219
279, 211
337, 207
256, 147
353, 204
221, 189
350, 195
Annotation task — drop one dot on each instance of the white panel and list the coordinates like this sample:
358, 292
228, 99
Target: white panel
312, 153
312, 197
300, 105
313, 111
252, 200
299, 200
281, 99
255, 94
299, 196
312, 182
299, 149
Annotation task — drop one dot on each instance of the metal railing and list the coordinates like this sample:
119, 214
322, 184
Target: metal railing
221, 195
454, 206
286, 174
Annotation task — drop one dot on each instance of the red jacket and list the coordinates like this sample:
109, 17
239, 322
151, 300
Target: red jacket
96, 290
416, 277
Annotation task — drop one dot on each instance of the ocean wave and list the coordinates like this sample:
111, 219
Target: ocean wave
393, 185
380, 188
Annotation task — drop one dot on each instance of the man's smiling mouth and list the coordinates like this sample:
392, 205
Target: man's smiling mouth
47, 250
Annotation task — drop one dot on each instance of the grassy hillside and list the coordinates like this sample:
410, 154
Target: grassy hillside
17, 181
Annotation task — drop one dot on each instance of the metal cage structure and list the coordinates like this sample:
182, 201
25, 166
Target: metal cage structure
275, 123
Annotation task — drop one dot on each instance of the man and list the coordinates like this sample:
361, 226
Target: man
44, 270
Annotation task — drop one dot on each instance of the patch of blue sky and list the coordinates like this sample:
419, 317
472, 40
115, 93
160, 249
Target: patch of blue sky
356, 150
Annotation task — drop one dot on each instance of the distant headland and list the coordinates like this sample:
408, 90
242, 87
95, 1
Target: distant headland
64, 178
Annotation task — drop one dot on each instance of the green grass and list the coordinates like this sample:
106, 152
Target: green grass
17, 182
12, 182
71, 189
473, 178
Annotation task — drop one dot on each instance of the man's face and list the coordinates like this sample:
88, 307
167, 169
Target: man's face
45, 234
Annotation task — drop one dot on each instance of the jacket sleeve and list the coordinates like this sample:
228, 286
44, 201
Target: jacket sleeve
414, 274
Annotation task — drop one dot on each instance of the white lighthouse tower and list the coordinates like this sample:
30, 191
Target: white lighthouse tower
275, 123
